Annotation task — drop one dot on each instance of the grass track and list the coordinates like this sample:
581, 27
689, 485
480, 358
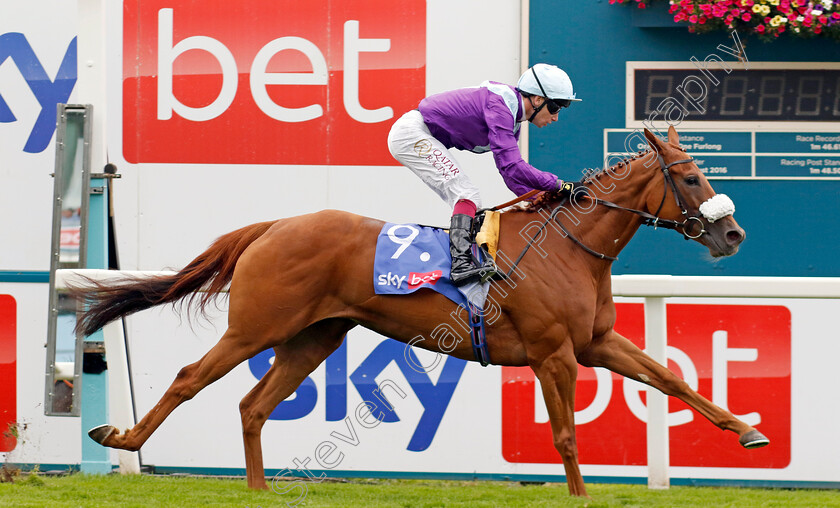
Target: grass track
145, 491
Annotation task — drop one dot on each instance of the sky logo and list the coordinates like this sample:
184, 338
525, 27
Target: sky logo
48, 92
434, 397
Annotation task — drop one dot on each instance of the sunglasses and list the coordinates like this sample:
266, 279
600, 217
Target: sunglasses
553, 105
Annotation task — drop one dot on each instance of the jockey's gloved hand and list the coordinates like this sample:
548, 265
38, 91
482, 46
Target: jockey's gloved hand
571, 188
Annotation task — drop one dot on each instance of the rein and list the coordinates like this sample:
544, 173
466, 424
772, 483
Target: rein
648, 219
515, 200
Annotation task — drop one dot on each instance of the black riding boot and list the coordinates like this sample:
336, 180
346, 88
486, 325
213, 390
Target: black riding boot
464, 270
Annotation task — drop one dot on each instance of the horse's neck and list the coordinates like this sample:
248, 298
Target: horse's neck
630, 186
602, 229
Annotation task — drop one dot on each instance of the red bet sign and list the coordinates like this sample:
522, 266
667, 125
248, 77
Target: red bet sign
268, 81
8, 371
738, 356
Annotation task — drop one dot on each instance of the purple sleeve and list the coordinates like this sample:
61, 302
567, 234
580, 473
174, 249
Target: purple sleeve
519, 176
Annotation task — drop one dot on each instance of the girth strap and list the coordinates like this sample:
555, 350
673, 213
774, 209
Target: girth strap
477, 335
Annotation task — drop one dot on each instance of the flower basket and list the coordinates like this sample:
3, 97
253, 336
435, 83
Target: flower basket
767, 19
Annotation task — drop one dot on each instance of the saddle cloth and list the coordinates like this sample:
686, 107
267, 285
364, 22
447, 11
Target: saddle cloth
410, 257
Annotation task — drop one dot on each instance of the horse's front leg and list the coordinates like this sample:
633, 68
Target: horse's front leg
558, 374
621, 356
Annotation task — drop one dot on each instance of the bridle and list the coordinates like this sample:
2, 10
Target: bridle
648, 219
653, 219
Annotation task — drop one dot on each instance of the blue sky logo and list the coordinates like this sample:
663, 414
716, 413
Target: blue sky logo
434, 397
48, 92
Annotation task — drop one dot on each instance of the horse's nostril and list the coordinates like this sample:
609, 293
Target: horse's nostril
734, 236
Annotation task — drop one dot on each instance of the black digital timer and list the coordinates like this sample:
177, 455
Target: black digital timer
774, 95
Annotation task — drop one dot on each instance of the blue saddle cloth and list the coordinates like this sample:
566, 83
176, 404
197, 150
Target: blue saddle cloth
409, 257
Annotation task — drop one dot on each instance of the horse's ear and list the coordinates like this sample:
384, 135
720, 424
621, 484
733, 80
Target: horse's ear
653, 141
673, 137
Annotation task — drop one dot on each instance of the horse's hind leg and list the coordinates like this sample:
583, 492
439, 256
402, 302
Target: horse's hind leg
619, 355
229, 352
293, 361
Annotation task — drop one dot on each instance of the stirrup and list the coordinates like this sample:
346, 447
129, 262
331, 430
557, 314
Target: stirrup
474, 274
488, 266
487, 275
484, 272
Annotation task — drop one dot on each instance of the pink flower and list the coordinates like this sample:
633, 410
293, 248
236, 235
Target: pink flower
824, 19
693, 18
746, 16
835, 15
760, 29
642, 5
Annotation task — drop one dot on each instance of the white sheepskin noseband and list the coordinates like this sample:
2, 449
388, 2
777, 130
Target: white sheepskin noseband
717, 207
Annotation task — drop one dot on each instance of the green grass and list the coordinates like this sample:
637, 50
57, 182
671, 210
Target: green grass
81, 490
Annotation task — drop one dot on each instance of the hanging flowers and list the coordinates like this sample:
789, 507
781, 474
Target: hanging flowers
765, 18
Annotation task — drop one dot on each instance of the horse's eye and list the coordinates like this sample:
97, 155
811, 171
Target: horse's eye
692, 180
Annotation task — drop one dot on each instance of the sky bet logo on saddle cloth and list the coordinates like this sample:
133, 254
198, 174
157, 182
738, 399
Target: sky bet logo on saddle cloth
269, 81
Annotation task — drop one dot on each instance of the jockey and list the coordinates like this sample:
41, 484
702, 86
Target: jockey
479, 119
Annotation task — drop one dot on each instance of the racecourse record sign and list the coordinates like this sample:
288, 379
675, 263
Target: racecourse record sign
269, 82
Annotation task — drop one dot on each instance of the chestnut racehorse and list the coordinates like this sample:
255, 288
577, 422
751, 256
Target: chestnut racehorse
298, 285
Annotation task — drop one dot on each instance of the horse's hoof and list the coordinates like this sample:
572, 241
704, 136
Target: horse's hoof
101, 433
754, 439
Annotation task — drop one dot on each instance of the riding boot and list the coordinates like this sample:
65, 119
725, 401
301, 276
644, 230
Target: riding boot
464, 269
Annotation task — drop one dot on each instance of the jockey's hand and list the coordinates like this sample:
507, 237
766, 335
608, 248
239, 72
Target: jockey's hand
572, 188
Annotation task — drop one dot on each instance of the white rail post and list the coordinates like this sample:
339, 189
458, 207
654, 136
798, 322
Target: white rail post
121, 402
656, 344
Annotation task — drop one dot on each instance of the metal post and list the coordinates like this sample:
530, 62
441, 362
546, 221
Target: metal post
656, 344
96, 459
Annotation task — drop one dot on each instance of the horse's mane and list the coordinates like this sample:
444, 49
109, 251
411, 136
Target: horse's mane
549, 199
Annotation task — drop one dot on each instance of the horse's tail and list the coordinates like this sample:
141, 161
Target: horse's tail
211, 272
